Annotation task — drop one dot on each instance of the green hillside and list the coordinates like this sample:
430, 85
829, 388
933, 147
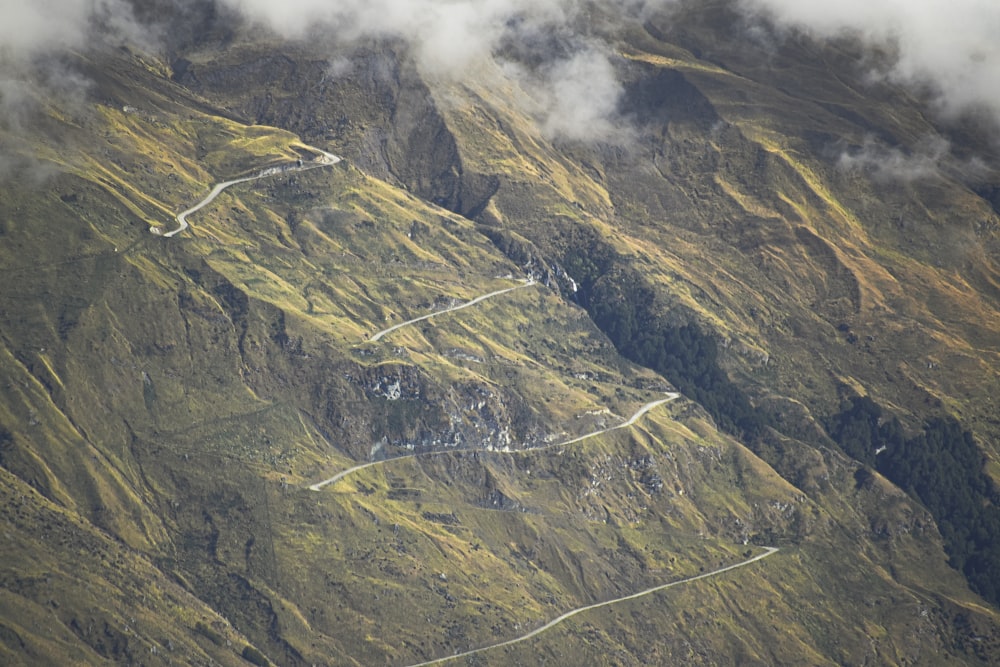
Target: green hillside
168, 401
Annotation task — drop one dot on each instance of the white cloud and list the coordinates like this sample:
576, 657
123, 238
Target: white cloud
931, 158
34, 27
448, 35
17, 100
950, 45
581, 96
28, 27
544, 45
885, 163
33, 36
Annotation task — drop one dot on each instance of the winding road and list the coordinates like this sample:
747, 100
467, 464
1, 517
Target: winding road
327, 159
570, 614
671, 396
324, 160
632, 420
527, 283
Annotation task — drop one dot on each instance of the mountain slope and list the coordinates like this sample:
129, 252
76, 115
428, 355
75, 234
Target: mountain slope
168, 402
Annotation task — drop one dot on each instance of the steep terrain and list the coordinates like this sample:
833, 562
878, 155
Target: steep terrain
176, 411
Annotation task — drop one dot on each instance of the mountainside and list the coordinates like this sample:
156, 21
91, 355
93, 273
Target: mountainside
751, 305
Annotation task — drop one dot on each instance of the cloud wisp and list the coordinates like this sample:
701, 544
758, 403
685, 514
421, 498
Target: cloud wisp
575, 98
949, 46
929, 159
885, 163
31, 29
450, 37
552, 47
544, 46
946, 46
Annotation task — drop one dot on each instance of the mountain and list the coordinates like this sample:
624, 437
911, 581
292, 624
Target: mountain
666, 310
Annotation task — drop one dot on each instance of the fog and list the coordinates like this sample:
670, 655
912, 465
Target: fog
885, 163
950, 46
551, 48
46, 26
545, 47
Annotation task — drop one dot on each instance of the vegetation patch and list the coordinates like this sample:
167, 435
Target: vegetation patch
943, 467
622, 305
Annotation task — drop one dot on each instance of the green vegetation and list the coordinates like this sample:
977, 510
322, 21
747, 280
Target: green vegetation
166, 403
622, 306
942, 466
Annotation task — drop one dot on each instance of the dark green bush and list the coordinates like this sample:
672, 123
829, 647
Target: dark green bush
942, 467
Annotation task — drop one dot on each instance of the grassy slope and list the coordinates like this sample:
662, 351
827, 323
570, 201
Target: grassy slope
73, 594
172, 398
906, 265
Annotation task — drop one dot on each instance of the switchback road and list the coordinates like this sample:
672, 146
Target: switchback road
324, 160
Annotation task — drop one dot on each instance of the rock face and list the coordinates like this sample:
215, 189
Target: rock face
167, 403
400, 136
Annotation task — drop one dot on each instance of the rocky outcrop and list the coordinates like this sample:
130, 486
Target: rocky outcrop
400, 135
